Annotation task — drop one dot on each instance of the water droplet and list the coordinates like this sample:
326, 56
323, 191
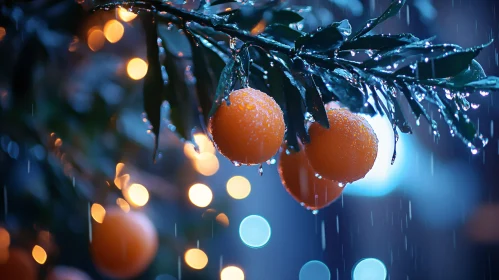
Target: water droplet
236, 164
475, 106
318, 176
315, 212
260, 170
271, 161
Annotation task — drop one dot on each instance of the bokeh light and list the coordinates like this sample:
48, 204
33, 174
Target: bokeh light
314, 270
136, 194
98, 212
126, 15
136, 68
206, 164
113, 31
238, 187
200, 195
39, 254
232, 273
204, 145
122, 181
196, 258
123, 204
2, 33
222, 219
254, 231
4, 238
369, 269
96, 39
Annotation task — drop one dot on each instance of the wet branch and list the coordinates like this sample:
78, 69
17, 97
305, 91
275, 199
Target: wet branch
217, 23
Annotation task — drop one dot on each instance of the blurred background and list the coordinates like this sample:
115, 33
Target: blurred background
434, 214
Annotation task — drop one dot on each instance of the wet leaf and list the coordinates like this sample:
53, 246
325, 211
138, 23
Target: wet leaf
489, 83
349, 95
208, 66
153, 81
226, 84
447, 65
473, 73
180, 91
392, 10
324, 39
416, 107
285, 17
379, 42
283, 33
219, 2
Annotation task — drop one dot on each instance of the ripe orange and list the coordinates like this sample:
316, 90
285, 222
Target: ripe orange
124, 245
250, 130
346, 151
19, 265
299, 179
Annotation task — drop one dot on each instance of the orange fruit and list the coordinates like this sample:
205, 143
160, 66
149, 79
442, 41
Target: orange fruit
250, 130
346, 151
124, 244
299, 179
18, 265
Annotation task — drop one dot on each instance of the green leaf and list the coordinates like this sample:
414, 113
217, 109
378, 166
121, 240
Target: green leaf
285, 17
324, 39
153, 81
219, 2
447, 65
473, 73
416, 107
379, 42
283, 33
489, 83
392, 10
226, 84
208, 66
180, 91
348, 94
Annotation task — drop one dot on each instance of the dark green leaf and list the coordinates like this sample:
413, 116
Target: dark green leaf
208, 66
447, 65
285, 17
180, 91
219, 2
226, 84
392, 10
324, 39
379, 42
153, 81
313, 101
473, 73
283, 33
489, 83
416, 107
326, 94
349, 95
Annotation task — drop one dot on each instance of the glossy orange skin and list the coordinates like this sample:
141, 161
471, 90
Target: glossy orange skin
299, 179
251, 129
19, 266
346, 151
124, 245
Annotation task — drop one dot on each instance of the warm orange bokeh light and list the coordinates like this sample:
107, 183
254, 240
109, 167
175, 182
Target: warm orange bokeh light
200, 195
196, 258
96, 39
206, 164
39, 254
232, 273
113, 31
98, 212
238, 187
123, 204
204, 144
222, 219
136, 194
136, 68
125, 15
